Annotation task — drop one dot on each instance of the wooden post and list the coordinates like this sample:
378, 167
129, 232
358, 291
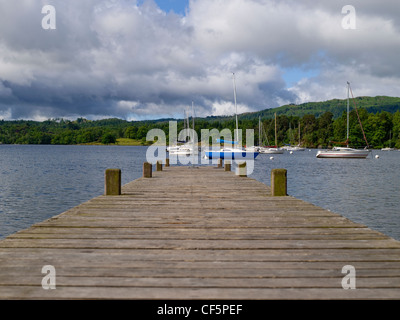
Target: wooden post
159, 165
147, 170
167, 162
227, 165
242, 169
112, 183
278, 182
219, 163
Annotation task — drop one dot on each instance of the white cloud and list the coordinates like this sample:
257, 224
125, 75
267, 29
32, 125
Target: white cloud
226, 108
5, 114
332, 84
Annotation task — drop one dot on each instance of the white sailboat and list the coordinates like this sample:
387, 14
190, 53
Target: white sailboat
187, 148
390, 144
344, 152
232, 152
272, 149
181, 150
295, 148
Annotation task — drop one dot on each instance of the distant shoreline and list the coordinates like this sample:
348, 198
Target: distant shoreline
120, 142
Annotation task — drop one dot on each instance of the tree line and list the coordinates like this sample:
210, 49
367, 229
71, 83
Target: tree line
382, 129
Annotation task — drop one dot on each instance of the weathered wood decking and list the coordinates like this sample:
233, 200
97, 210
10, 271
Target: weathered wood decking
198, 233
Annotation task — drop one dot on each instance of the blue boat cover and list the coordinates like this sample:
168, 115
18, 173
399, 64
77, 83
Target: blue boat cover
227, 141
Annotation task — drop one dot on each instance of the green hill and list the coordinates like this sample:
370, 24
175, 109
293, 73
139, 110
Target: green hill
336, 106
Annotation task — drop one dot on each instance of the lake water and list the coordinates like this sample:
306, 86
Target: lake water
366, 191
38, 182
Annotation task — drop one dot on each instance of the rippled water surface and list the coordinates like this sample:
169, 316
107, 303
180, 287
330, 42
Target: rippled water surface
38, 182
366, 191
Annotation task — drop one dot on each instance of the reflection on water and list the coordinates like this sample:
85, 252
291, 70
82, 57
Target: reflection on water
38, 182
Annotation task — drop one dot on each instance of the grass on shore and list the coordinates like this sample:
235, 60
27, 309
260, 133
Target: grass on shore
120, 142
128, 142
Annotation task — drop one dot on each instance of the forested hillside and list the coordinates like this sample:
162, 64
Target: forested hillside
335, 106
319, 126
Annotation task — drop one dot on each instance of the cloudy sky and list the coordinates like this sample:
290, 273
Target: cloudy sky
149, 59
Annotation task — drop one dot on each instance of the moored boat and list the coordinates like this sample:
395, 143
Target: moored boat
388, 149
271, 150
343, 152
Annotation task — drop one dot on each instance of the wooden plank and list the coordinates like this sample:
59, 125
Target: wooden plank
372, 255
95, 292
199, 244
197, 234
75, 261
183, 282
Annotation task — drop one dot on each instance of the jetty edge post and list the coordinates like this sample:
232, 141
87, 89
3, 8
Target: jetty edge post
147, 170
219, 163
167, 162
159, 165
227, 165
112, 182
278, 182
242, 169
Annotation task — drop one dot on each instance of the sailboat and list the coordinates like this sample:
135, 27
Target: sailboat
187, 148
232, 152
390, 144
295, 148
272, 149
345, 152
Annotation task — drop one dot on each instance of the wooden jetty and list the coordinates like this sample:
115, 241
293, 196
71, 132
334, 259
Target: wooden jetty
199, 233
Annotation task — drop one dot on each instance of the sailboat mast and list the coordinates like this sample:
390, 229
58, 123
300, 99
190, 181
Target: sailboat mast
193, 133
348, 108
185, 124
299, 133
276, 139
193, 115
234, 94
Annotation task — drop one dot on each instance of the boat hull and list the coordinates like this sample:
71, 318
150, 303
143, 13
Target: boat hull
356, 154
245, 155
271, 151
184, 152
388, 149
290, 148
